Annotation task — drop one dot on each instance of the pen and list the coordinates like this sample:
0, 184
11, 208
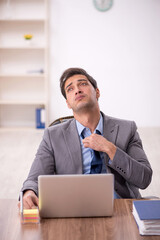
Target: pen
21, 204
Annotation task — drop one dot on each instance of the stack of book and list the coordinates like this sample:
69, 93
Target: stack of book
147, 216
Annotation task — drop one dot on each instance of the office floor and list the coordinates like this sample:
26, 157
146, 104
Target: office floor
18, 148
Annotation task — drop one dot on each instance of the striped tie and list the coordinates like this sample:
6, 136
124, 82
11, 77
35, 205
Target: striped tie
96, 164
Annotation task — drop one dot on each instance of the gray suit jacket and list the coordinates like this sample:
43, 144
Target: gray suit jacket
60, 153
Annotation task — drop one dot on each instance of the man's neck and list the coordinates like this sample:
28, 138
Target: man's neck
88, 119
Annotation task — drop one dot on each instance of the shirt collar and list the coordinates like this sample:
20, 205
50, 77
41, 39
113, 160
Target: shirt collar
99, 127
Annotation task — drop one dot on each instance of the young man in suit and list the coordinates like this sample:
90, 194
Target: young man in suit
69, 147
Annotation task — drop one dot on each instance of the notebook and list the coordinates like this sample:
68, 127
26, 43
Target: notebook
76, 195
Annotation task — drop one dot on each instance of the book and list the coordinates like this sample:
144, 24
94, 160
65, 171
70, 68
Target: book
147, 216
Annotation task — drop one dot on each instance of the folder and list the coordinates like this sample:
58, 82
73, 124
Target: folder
147, 216
40, 118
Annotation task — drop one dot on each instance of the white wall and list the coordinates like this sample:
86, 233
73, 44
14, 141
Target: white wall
119, 48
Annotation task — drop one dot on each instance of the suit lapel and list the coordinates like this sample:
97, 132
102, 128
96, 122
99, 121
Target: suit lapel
110, 129
74, 147
110, 132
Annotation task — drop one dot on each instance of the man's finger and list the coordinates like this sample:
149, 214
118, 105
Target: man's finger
36, 201
27, 202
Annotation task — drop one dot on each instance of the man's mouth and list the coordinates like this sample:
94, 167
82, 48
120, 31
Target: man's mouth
79, 97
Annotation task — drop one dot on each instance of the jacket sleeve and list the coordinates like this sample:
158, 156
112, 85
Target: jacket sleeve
131, 162
43, 164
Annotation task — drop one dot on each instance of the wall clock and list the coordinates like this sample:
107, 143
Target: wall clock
103, 5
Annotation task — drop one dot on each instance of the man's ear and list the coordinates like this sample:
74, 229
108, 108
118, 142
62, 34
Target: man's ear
68, 105
97, 93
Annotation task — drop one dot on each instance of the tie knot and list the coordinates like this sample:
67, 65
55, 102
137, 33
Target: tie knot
98, 132
82, 134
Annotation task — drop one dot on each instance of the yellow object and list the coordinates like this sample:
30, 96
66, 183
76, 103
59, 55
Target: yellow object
33, 211
30, 216
28, 36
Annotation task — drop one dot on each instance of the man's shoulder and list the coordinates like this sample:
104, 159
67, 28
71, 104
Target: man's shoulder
57, 132
118, 121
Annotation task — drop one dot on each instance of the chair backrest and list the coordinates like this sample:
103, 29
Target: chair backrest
60, 120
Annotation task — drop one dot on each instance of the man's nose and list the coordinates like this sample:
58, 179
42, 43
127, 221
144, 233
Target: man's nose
77, 90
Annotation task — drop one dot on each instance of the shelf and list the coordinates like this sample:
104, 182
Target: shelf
14, 20
18, 116
23, 63
18, 9
22, 102
15, 129
28, 75
23, 48
14, 31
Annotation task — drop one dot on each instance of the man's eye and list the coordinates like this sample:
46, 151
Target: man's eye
69, 89
84, 83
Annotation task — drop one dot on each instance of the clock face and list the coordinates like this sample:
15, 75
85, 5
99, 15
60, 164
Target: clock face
103, 5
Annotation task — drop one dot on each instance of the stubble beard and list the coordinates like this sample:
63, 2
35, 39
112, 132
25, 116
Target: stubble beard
83, 107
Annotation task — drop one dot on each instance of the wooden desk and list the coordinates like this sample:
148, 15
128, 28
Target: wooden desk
121, 226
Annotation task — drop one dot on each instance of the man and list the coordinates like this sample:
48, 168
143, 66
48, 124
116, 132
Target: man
70, 147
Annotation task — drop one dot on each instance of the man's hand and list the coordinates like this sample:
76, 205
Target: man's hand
30, 200
100, 144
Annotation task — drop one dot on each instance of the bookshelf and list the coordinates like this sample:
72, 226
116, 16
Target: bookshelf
23, 63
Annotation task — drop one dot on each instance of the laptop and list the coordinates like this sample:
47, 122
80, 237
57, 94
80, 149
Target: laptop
63, 196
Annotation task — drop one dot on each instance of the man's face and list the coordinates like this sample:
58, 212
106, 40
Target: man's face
80, 93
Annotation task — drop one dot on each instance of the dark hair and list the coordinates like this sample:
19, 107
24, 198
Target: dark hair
74, 71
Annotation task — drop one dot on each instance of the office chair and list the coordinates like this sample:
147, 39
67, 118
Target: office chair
61, 120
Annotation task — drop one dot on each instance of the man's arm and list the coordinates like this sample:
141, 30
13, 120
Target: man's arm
43, 164
131, 163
